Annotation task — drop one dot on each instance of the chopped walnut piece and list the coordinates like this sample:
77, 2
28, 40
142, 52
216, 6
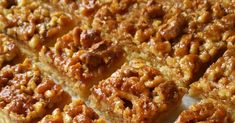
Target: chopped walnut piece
26, 95
76, 112
206, 111
89, 37
136, 93
173, 27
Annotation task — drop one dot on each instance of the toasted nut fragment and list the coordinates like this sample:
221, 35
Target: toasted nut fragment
89, 37
204, 18
34, 42
163, 47
173, 27
153, 10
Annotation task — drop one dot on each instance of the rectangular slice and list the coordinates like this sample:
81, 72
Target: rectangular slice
84, 57
75, 112
190, 38
207, 111
136, 93
26, 95
34, 22
218, 81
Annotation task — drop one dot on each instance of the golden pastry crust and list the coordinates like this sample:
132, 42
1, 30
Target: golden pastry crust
8, 49
206, 111
218, 81
136, 93
26, 95
83, 56
35, 22
76, 112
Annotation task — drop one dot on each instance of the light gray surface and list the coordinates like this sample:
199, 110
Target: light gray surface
186, 102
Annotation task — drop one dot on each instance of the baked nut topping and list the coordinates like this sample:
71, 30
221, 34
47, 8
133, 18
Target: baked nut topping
35, 22
218, 81
136, 93
194, 36
83, 10
119, 18
75, 112
26, 94
83, 55
134, 59
8, 49
189, 33
206, 111
132, 19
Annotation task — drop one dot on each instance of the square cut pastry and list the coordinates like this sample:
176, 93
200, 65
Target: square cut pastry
136, 93
218, 82
190, 38
34, 22
26, 95
75, 112
207, 111
84, 57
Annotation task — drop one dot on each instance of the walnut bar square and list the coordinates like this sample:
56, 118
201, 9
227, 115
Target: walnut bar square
191, 38
75, 112
34, 22
136, 93
218, 81
26, 95
84, 57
